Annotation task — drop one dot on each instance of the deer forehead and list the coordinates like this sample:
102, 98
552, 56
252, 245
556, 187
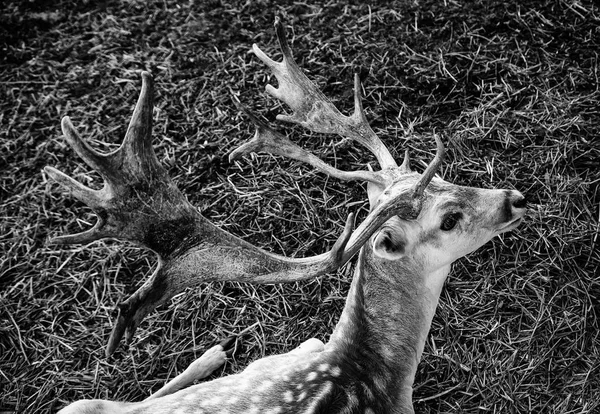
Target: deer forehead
442, 197
437, 191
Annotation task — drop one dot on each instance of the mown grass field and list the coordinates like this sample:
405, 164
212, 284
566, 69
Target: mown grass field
513, 87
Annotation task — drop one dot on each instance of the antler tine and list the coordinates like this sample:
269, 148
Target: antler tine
312, 109
137, 144
75, 188
85, 194
135, 157
268, 140
368, 138
431, 169
85, 237
405, 167
99, 162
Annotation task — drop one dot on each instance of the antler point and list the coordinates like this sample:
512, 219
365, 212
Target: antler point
234, 155
51, 171
66, 125
147, 79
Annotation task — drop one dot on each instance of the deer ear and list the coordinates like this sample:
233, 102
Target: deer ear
374, 192
390, 243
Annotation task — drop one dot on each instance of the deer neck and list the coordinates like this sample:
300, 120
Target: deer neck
385, 323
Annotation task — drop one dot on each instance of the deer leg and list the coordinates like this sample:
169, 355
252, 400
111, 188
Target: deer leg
200, 368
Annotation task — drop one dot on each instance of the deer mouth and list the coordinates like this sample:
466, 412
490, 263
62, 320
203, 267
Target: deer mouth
511, 225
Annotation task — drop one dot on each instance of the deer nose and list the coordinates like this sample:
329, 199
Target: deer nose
514, 205
518, 200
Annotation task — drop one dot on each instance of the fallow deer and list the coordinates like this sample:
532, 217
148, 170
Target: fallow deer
417, 226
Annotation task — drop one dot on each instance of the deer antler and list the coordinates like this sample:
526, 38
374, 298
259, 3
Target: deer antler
140, 203
132, 176
312, 109
268, 140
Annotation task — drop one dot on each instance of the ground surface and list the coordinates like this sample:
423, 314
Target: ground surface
513, 87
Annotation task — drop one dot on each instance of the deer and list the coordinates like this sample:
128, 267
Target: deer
418, 225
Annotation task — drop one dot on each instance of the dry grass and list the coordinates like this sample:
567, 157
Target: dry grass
512, 86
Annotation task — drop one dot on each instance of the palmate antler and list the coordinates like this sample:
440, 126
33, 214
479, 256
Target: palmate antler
314, 111
141, 204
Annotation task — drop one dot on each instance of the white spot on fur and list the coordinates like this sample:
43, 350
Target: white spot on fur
264, 386
336, 371
311, 376
242, 383
388, 352
323, 367
254, 410
211, 401
288, 396
274, 410
302, 396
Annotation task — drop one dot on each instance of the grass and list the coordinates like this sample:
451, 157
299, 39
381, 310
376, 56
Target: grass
513, 87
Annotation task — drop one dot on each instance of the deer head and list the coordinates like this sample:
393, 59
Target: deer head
417, 226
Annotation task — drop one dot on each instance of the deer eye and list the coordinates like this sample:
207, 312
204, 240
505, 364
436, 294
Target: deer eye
450, 221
